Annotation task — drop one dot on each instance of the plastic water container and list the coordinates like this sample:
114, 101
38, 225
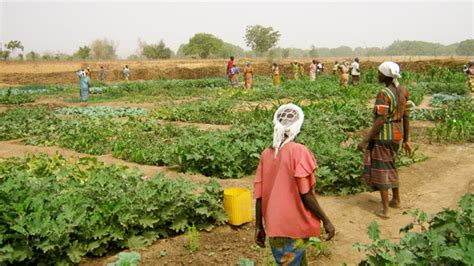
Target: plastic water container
238, 205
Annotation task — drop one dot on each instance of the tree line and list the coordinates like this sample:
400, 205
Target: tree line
261, 40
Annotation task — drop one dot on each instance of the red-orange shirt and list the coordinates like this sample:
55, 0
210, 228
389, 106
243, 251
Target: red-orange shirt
279, 183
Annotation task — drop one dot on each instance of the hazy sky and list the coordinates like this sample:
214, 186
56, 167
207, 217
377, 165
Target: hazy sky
64, 26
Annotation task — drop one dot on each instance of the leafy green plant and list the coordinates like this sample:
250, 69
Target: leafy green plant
95, 111
445, 238
55, 211
192, 236
127, 259
10, 98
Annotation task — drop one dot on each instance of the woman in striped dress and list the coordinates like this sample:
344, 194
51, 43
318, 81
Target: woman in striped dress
391, 129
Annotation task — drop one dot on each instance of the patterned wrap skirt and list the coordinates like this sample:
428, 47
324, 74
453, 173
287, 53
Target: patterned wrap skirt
471, 82
289, 251
276, 80
380, 170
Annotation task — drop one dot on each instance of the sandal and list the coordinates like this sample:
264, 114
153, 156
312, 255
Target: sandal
380, 214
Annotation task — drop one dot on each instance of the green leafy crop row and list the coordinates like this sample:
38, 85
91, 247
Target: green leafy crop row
445, 238
52, 210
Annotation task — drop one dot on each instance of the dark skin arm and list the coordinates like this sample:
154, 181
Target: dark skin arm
259, 230
378, 123
311, 203
406, 133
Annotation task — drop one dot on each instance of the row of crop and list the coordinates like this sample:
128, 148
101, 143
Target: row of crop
52, 210
225, 154
444, 238
454, 120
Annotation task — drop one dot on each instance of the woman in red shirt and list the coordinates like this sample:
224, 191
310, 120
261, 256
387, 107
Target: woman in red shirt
284, 192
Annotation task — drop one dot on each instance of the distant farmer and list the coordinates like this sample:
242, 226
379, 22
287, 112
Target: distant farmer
319, 67
230, 65
301, 69
102, 73
286, 206
344, 73
296, 70
390, 130
84, 83
275, 74
469, 70
335, 68
312, 70
355, 71
234, 80
126, 73
248, 75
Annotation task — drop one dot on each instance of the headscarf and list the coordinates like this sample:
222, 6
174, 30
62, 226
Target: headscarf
287, 122
391, 70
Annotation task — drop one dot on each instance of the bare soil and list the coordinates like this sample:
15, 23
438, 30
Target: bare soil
431, 185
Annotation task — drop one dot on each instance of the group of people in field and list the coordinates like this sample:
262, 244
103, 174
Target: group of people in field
297, 72
346, 69
84, 76
287, 210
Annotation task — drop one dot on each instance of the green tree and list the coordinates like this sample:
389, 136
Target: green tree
229, 49
313, 52
10, 47
203, 44
261, 39
342, 51
103, 49
4, 54
154, 51
83, 52
32, 56
285, 53
465, 47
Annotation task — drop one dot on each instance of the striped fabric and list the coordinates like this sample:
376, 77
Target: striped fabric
380, 170
393, 107
470, 77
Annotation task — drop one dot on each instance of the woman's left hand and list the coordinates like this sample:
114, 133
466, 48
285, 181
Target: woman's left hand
362, 146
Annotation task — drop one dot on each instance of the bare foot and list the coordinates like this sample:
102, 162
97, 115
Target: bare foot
380, 213
394, 204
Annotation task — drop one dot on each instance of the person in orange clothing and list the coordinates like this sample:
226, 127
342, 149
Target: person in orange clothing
286, 206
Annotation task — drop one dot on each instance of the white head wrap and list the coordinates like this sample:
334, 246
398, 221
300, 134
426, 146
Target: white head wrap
287, 122
391, 70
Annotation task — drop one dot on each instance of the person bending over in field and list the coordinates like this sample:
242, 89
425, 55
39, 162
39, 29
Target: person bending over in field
84, 83
284, 192
391, 128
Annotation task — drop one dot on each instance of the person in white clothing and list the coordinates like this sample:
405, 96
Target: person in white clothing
355, 71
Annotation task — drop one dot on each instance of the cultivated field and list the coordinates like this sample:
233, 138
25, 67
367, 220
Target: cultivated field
53, 72
69, 194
